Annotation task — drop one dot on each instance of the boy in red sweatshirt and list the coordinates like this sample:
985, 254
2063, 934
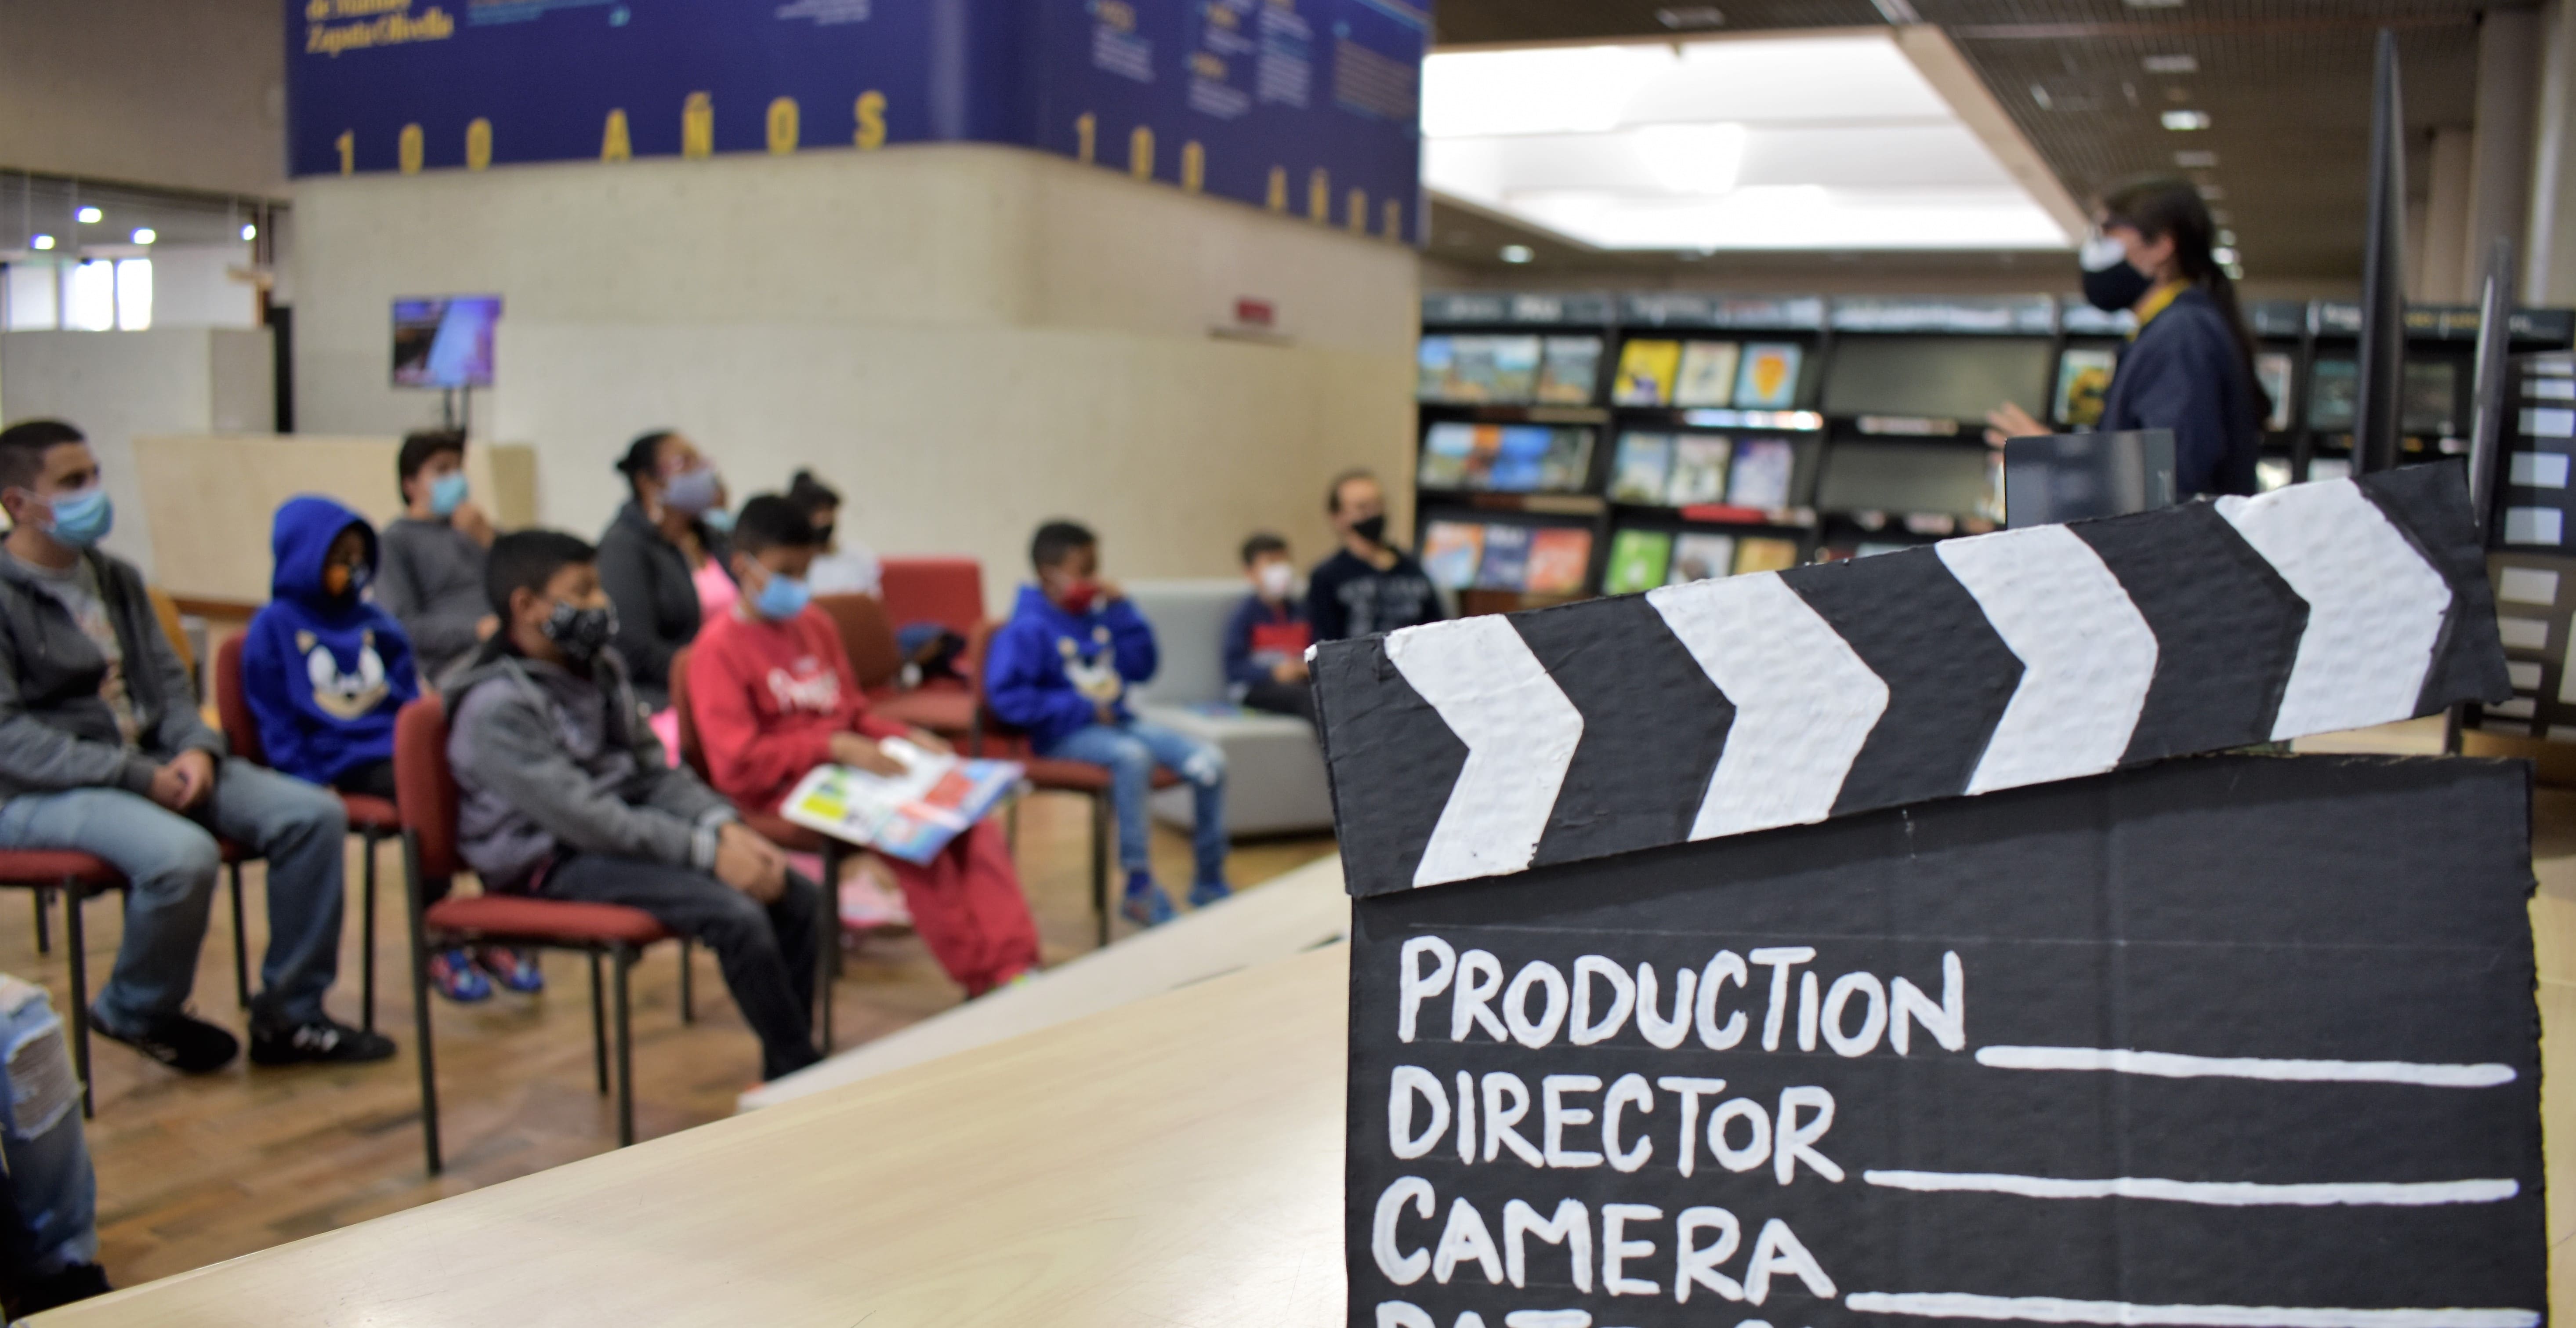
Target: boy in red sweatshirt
772, 696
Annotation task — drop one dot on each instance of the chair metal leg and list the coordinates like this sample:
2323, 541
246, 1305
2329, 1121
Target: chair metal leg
688, 991
624, 959
417, 931
78, 945
241, 944
827, 944
44, 923
598, 1023
1100, 830
367, 955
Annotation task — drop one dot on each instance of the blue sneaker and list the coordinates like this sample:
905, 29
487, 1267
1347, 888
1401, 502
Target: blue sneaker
515, 969
1208, 892
1145, 905
453, 973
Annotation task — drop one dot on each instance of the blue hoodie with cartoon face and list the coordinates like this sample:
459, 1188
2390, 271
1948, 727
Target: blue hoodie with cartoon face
324, 673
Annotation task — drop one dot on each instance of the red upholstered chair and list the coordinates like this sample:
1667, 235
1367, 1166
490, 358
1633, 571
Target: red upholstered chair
787, 835
996, 739
947, 591
78, 876
867, 637
426, 792
373, 820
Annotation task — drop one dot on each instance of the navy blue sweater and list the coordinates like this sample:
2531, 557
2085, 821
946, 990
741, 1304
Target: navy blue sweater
2184, 373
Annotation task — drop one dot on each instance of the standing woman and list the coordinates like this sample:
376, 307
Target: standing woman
654, 552
2190, 367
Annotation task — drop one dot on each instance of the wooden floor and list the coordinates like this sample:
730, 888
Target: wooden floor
194, 1170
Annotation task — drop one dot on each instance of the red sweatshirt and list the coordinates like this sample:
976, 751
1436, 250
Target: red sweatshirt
767, 698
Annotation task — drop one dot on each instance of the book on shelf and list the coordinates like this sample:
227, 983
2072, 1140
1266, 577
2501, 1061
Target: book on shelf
1435, 360
1707, 373
1451, 552
1699, 469
1448, 450
2334, 395
1763, 553
911, 815
1646, 370
2272, 369
1640, 470
1761, 473
1559, 559
1768, 378
1637, 561
1569, 371
2083, 379
1506, 562
1699, 556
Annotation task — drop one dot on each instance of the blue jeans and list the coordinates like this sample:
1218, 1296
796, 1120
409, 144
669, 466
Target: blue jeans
40, 1129
170, 860
1131, 751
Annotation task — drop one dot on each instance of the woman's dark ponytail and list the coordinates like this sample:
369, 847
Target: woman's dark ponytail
2157, 206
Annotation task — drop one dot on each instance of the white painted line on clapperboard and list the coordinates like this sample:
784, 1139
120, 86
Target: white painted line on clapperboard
2229, 1194
2049, 1309
2169, 1065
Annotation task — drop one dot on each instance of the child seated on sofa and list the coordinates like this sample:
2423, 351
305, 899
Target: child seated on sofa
1266, 639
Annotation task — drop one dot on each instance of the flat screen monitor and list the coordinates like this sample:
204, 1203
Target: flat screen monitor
1925, 478
1939, 378
445, 340
2073, 476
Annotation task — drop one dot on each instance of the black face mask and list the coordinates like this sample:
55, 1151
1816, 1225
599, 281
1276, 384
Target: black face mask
823, 535
1370, 528
2110, 283
581, 633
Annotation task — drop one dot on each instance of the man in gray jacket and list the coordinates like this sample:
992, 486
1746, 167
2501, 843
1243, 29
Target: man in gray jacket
565, 794
102, 750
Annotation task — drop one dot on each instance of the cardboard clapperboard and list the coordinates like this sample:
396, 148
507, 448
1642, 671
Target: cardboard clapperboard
1687, 988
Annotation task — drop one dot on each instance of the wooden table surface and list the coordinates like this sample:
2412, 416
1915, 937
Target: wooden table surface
1172, 1162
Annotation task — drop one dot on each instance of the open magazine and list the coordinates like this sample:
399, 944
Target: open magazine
909, 816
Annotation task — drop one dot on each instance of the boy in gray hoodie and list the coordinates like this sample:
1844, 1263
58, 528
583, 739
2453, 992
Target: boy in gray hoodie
565, 794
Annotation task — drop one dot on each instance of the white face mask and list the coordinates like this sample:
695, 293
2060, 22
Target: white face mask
1277, 579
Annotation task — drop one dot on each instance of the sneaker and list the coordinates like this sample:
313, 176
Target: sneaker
323, 1040
1208, 892
512, 967
183, 1042
454, 974
1145, 905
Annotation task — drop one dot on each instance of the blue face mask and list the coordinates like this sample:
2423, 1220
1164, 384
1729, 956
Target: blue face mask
447, 493
782, 597
82, 517
717, 519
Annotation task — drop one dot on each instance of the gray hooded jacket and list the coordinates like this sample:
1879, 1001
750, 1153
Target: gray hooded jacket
55, 730
549, 762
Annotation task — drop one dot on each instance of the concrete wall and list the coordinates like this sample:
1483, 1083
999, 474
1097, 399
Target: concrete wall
965, 339
117, 386
180, 93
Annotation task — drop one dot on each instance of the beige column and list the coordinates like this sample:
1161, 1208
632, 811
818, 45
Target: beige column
2509, 42
2434, 278
2549, 265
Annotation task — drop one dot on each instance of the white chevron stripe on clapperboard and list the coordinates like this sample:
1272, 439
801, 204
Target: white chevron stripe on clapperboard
1806, 704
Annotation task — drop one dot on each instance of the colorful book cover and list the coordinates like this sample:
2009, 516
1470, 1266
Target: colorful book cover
910, 816
2334, 395
1559, 559
2083, 378
1637, 561
1520, 458
1769, 378
1760, 476
1707, 374
1701, 556
1446, 450
1568, 466
1639, 472
2272, 370
1646, 370
1569, 371
1699, 469
1765, 554
1515, 369
1451, 551
1506, 563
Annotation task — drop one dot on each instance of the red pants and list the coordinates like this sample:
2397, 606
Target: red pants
967, 907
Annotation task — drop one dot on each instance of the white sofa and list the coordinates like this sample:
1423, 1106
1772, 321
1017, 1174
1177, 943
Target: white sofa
1274, 772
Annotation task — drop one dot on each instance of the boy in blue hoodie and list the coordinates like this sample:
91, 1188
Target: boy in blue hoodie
1060, 669
325, 670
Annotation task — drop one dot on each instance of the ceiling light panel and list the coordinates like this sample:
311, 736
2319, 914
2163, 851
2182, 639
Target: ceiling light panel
1787, 143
